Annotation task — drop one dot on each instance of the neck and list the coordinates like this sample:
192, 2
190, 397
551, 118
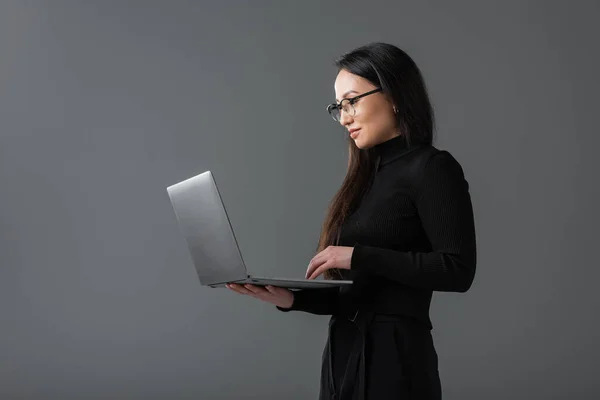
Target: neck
390, 148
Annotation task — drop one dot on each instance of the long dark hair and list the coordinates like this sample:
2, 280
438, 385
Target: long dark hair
390, 68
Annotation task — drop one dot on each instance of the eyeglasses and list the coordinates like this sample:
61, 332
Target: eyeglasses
347, 105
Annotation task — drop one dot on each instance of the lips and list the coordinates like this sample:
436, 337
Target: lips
354, 133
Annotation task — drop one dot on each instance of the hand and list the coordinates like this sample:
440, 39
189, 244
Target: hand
278, 296
331, 257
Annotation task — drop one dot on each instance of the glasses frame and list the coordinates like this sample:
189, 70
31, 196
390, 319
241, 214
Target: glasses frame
351, 101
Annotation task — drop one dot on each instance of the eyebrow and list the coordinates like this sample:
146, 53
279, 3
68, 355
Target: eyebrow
347, 93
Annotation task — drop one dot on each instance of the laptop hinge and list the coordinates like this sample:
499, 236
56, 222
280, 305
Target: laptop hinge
213, 285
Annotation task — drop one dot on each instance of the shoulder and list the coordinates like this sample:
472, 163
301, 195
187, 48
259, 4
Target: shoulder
426, 157
438, 167
430, 157
440, 157
425, 164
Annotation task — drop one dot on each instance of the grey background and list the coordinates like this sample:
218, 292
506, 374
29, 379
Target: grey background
105, 103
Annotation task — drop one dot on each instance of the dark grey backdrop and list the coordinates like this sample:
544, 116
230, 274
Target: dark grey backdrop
104, 104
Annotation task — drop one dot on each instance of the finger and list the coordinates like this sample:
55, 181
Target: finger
320, 270
255, 289
232, 286
313, 265
276, 290
312, 261
241, 290
271, 289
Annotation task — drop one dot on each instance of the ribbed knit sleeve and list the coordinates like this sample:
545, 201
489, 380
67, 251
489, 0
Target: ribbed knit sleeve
315, 301
444, 207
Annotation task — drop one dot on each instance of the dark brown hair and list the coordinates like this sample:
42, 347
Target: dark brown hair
390, 68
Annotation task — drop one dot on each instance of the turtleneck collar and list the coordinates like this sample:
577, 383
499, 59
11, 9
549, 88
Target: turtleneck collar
390, 150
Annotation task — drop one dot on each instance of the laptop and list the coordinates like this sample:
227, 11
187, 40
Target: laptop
214, 250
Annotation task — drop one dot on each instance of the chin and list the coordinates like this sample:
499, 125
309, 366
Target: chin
361, 143
358, 144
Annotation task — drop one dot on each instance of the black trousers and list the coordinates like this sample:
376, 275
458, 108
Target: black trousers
373, 356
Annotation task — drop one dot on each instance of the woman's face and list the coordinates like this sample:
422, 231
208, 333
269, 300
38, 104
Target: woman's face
374, 120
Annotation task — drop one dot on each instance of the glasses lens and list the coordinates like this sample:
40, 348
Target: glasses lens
334, 111
348, 108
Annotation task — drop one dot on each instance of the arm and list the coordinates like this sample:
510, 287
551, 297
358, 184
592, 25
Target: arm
315, 301
444, 206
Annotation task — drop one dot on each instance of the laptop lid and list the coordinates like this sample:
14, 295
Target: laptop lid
205, 225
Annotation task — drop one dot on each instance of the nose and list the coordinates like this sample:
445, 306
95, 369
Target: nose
345, 118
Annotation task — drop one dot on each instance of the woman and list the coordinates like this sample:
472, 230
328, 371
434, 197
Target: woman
401, 226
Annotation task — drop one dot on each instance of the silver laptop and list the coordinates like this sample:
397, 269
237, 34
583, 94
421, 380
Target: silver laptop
211, 241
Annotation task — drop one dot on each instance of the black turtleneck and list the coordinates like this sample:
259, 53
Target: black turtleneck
413, 233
